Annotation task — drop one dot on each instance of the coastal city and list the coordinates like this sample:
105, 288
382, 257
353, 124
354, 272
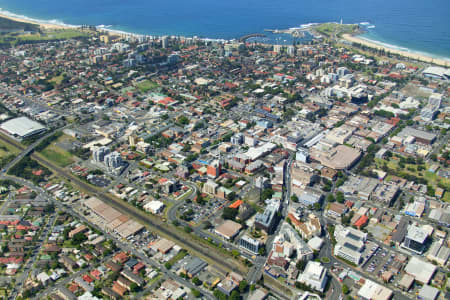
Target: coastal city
170, 167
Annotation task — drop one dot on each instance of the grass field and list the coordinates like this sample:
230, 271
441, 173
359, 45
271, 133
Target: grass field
7, 149
330, 28
146, 85
57, 79
60, 34
58, 155
7, 153
431, 178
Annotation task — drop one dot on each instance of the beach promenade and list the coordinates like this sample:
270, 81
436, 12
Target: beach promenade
412, 55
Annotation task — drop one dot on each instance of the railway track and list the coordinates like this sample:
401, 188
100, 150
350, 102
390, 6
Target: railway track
219, 262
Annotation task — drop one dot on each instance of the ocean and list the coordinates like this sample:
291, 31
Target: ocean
411, 25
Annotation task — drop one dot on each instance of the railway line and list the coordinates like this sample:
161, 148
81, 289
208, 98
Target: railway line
203, 250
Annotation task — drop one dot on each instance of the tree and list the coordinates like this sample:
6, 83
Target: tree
79, 238
294, 198
234, 295
330, 198
195, 293
235, 253
187, 229
229, 213
262, 250
340, 197
219, 295
301, 264
183, 120
345, 289
326, 188
340, 182
133, 287
231, 196
317, 206
243, 286
196, 281
207, 225
267, 194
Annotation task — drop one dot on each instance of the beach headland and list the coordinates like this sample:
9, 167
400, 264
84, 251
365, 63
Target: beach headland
411, 55
43, 25
350, 37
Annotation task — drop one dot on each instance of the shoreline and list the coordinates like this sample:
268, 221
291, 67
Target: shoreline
42, 24
47, 25
412, 55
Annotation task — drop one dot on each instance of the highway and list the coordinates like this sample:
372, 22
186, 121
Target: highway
160, 227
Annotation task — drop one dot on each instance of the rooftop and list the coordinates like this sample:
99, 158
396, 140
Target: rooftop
22, 127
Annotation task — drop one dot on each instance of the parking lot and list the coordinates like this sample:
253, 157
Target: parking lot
369, 251
100, 181
196, 213
379, 262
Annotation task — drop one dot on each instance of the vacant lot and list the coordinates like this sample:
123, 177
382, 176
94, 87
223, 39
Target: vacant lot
415, 91
58, 155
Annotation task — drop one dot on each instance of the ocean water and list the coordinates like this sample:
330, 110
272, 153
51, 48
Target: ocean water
411, 25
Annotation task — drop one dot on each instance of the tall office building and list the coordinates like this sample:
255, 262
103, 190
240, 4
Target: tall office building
214, 169
249, 244
99, 154
113, 160
165, 41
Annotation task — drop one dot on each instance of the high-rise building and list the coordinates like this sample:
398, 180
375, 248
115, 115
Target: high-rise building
237, 139
133, 139
165, 41
99, 154
314, 275
214, 169
415, 239
113, 160
249, 244
277, 48
291, 50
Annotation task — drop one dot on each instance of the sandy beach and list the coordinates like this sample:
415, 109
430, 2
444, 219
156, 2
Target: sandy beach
42, 24
416, 56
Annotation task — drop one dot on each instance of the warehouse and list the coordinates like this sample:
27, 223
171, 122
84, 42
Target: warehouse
22, 127
420, 135
113, 219
228, 230
420, 270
